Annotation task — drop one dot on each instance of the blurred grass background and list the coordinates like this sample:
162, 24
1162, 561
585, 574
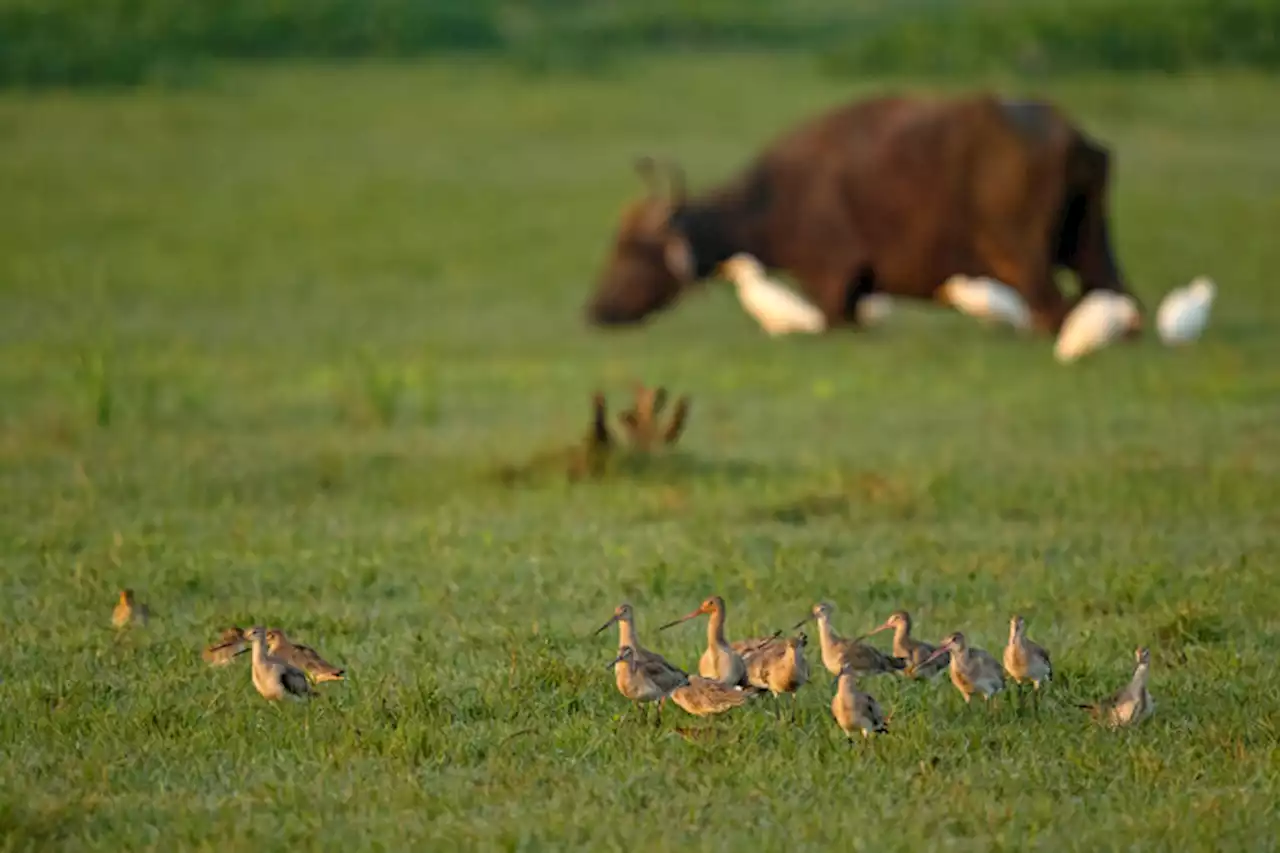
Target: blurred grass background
112, 42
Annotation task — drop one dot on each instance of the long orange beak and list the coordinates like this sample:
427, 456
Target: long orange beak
798, 625
612, 619
616, 660
886, 626
692, 615
942, 650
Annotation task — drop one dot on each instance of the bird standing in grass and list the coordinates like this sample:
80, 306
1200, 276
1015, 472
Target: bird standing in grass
1130, 704
779, 666
648, 676
838, 652
703, 697
1096, 320
914, 652
1184, 313
304, 658
855, 710
275, 679
1025, 660
128, 610
648, 679
721, 661
986, 299
973, 670
775, 308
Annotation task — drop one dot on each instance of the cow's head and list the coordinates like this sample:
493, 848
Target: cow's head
651, 261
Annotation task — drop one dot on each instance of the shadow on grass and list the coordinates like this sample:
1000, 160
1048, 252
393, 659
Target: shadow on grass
857, 489
581, 465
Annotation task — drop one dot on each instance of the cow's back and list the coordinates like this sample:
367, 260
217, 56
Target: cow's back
918, 182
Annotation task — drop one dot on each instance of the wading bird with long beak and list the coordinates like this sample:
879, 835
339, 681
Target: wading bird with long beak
1025, 660
1131, 703
855, 710
275, 679
303, 657
722, 661
703, 697
231, 642
914, 652
973, 670
648, 670
779, 666
838, 652
646, 681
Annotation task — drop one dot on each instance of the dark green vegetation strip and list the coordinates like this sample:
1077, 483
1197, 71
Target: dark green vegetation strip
114, 42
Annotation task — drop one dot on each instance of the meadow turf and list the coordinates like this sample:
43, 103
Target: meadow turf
263, 344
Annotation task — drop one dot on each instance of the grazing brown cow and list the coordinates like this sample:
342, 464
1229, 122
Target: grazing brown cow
891, 195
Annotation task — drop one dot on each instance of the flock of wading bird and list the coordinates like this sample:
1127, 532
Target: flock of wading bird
279, 668
731, 674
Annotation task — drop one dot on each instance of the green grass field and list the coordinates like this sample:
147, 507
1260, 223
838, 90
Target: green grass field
263, 344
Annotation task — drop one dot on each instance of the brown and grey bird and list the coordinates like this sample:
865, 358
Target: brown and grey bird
973, 670
779, 666
1023, 659
838, 652
1130, 704
855, 710
128, 610
721, 661
274, 678
648, 676
703, 697
303, 657
231, 642
914, 652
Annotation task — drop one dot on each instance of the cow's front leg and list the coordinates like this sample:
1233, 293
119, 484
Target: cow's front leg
837, 294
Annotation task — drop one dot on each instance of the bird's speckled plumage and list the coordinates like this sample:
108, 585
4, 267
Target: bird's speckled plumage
855, 710
973, 670
1025, 660
304, 658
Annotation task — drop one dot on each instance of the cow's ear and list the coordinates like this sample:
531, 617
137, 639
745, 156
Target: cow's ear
679, 257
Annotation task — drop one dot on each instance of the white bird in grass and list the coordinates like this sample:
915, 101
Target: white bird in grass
1099, 318
986, 299
1184, 313
778, 310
